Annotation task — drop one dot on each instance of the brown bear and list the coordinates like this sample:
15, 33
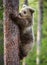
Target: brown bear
25, 24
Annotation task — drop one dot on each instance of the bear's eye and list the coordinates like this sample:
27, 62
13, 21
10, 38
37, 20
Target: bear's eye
24, 12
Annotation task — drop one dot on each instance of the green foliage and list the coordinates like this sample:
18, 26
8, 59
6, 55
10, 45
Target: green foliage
1, 14
1, 2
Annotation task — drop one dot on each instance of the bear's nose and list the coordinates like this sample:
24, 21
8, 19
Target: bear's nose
20, 14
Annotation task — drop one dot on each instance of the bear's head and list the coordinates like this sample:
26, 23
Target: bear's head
26, 12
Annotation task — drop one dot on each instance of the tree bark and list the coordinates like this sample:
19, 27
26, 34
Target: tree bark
11, 33
39, 30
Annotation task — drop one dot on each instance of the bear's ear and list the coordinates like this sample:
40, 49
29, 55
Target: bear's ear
31, 10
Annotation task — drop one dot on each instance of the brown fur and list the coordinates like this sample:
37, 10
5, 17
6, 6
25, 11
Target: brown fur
25, 22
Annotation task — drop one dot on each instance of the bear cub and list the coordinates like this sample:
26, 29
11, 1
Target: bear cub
24, 20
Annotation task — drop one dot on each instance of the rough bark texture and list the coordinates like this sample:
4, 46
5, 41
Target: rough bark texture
11, 33
39, 30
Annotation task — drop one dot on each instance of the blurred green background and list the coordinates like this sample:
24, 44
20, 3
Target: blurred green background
31, 58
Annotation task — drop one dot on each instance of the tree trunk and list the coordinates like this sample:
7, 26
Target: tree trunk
39, 30
11, 33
